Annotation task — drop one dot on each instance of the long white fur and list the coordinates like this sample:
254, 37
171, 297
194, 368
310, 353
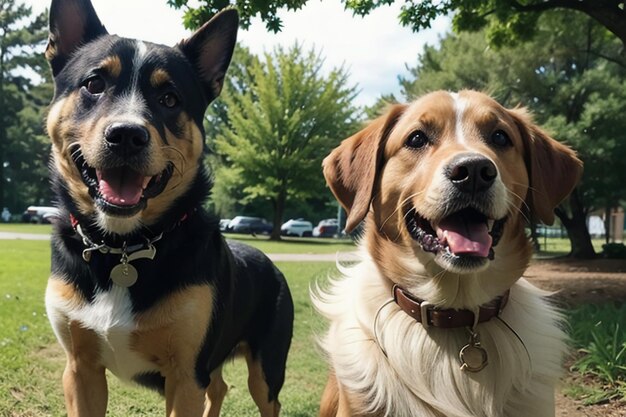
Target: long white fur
421, 376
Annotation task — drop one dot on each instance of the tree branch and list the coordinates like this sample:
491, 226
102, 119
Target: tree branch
614, 60
548, 5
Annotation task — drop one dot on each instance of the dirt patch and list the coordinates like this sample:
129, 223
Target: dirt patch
580, 282
568, 407
577, 282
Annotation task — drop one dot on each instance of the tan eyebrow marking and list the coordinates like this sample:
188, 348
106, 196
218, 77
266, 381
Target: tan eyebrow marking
159, 77
113, 65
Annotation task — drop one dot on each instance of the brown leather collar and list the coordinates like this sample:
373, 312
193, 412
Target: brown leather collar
427, 314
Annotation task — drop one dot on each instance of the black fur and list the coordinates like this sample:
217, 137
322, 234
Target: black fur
252, 303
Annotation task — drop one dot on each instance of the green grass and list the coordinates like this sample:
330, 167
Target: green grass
40, 229
552, 246
31, 362
598, 335
286, 245
296, 244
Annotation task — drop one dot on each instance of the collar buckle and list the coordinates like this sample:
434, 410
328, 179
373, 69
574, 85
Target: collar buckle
424, 307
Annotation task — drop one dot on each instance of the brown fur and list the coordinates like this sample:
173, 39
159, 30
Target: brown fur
376, 177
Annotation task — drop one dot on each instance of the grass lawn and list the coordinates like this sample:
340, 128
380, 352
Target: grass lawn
39, 229
31, 362
549, 246
296, 244
553, 246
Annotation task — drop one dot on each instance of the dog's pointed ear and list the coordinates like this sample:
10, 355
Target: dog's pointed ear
72, 23
553, 168
350, 169
210, 50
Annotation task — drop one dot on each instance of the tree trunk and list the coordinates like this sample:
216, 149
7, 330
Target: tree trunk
3, 127
607, 223
279, 209
576, 227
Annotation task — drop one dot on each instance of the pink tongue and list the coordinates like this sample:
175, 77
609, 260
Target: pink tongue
465, 238
121, 186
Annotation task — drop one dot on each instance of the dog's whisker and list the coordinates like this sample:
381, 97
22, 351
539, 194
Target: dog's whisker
400, 225
513, 209
399, 207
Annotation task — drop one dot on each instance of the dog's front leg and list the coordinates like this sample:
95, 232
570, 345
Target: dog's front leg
84, 378
183, 397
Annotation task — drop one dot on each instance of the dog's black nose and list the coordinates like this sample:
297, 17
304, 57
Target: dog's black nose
126, 138
472, 173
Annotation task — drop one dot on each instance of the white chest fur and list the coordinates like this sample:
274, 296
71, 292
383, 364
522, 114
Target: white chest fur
419, 372
111, 317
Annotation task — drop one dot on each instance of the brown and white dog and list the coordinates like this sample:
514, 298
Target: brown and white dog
435, 320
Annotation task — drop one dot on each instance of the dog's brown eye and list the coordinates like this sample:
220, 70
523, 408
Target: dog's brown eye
416, 140
95, 85
501, 139
169, 100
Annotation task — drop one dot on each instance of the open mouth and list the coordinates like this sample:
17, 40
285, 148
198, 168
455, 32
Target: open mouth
466, 237
121, 190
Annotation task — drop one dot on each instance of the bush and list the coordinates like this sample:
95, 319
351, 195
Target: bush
614, 250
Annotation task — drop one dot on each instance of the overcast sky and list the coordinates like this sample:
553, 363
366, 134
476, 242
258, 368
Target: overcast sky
374, 49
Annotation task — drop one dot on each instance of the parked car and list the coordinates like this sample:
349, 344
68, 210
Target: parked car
224, 224
326, 228
297, 227
245, 224
40, 214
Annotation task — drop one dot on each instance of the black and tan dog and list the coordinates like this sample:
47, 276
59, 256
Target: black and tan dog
142, 282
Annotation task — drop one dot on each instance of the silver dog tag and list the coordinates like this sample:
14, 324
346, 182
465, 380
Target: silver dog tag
124, 275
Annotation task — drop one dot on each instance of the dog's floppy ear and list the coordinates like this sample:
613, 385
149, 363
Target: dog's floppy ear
350, 169
72, 23
553, 168
210, 50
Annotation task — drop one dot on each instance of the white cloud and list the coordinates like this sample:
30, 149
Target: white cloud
375, 49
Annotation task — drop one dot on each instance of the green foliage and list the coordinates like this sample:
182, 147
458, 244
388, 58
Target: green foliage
614, 251
506, 22
282, 118
23, 145
195, 17
598, 334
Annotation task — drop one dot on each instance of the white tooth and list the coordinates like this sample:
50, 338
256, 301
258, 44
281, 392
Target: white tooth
490, 224
146, 180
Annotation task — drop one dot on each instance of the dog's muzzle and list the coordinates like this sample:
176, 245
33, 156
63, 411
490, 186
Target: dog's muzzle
120, 190
464, 234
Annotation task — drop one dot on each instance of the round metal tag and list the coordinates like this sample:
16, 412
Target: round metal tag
473, 358
124, 275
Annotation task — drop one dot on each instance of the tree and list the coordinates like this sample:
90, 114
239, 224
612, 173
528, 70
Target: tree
505, 20
20, 40
563, 78
284, 116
